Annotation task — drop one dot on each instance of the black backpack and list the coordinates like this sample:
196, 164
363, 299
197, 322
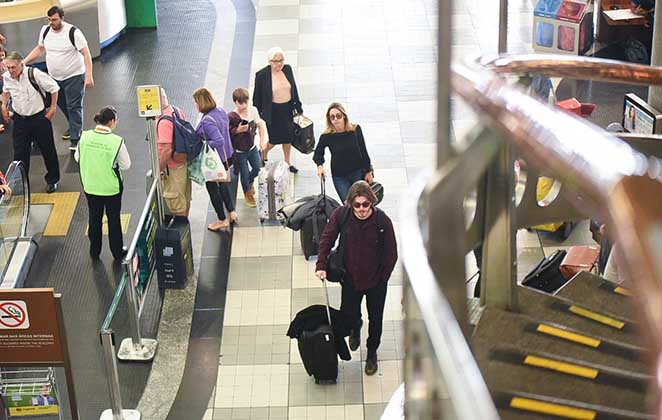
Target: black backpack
45, 96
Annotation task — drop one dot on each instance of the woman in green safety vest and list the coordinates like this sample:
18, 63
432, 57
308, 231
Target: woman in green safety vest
102, 155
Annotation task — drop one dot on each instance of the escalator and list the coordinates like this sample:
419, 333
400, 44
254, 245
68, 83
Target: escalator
591, 350
17, 248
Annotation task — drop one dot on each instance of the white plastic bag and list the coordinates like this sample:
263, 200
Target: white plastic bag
212, 166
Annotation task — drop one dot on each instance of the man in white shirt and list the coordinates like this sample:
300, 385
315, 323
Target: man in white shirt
69, 62
32, 117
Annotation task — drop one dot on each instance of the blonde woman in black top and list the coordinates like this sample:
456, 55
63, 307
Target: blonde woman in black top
350, 161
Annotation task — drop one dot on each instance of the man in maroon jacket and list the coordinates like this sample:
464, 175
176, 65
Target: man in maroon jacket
370, 253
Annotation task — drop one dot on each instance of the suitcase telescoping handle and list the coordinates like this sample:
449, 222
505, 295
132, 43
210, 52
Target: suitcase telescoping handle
323, 185
326, 295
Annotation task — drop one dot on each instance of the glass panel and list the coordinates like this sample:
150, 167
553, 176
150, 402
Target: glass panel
12, 213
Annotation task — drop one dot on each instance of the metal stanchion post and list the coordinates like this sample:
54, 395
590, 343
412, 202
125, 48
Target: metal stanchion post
135, 348
116, 412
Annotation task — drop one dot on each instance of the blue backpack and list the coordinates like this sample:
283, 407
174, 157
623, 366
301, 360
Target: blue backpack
185, 138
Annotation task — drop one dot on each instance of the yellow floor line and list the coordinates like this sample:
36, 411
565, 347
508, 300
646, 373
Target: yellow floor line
64, 205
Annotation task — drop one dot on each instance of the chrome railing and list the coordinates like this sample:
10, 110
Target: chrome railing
601, 176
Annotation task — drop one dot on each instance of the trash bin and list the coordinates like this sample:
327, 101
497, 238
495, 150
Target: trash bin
174, 253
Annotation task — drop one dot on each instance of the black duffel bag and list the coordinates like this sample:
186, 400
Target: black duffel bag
546, 275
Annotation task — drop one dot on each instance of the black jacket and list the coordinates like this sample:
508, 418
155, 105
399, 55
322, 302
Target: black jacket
313, 316
295, 214
263, 95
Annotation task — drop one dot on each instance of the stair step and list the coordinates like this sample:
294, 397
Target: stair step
597, 293
576, 315
548, 374
521, 405
520, 331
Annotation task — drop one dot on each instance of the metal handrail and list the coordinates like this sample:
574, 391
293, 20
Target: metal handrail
610, 178
576, 67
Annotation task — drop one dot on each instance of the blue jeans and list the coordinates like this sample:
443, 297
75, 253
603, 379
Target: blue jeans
248, 174
343, 183
70, 101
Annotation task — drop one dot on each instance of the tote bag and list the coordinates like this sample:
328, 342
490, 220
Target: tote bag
304, 134
212, 166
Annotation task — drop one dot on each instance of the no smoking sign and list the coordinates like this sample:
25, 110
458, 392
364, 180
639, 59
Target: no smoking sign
14, 315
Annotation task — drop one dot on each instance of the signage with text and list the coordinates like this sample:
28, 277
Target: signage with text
29, 331
149, 101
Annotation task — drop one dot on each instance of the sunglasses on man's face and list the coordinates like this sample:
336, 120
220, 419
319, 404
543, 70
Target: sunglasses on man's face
365, 205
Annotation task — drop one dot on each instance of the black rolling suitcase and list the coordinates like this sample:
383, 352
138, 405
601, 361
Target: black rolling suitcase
546, 275
313, 227
318, 350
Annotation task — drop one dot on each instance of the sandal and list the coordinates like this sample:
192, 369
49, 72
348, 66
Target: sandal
234, 218
220, 225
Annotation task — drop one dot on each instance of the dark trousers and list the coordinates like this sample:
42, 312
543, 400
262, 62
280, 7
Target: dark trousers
38, 129
70, 101
219, 194
375, 301
112, 205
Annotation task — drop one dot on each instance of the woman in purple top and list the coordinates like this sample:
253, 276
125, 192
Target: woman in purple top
214, 128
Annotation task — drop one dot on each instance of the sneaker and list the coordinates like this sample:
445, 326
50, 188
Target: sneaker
74, 145
355, 340
293, 169
66, 135
371, 364
51, 188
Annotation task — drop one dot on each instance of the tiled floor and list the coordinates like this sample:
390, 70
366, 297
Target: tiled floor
378, 58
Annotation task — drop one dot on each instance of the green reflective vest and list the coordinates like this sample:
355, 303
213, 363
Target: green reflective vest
97, 155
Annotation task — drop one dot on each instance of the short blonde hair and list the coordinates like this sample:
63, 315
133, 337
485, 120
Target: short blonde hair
205, 100
273, 51
329, 125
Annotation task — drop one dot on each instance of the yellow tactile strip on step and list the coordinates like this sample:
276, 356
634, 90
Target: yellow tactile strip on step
603, 319
64, 205
124, 221
553, 409
567, 368
567, 335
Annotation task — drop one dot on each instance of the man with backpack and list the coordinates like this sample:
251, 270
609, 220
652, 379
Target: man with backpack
28, 87
173, 164
69, 62
368, 254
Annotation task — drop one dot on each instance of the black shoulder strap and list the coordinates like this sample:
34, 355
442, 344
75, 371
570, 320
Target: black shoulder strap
71, 36
380, 233
43, 36
34, 84
344, 215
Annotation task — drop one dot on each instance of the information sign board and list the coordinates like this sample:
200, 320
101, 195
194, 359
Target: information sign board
29, 331
149, 101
